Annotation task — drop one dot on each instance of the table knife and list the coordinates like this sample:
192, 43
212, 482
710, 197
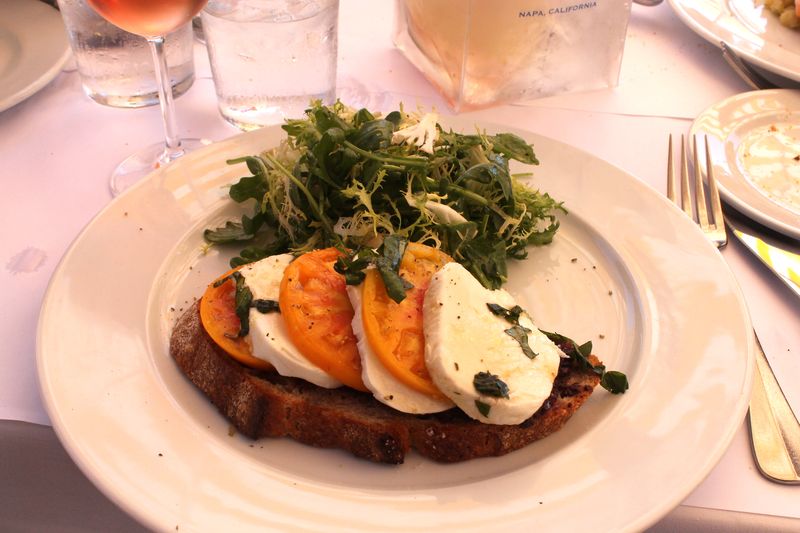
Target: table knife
778, 253
774, 429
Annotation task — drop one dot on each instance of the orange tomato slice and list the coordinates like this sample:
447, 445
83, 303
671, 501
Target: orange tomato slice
318, 315
394, 330
218, 316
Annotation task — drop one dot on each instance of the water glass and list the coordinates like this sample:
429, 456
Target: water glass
116, 67
269, 58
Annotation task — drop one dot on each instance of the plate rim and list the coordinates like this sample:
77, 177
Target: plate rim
643, 520
38, 80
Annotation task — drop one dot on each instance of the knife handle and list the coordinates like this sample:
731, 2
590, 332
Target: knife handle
774, 430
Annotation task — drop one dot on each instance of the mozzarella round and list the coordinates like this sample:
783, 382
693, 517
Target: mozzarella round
384, 386
268, 334
463, 337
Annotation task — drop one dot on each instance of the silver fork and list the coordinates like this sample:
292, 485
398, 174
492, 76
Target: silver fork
774, 430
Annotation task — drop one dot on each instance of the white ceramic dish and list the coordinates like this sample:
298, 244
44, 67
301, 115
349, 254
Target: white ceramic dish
754, 139
748, 28
33, 48
627, 270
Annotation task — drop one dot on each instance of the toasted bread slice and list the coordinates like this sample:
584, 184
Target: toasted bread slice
265, 404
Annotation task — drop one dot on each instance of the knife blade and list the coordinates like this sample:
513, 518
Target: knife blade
776, 252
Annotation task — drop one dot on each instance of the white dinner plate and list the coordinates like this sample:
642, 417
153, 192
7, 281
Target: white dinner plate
627, 270
754, 139
33, 48
748, 28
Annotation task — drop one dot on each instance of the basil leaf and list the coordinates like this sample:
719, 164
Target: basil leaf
394, 248
490, 385
266, 306
575, 351
511, 315
483, 408
585, 349
396, 286
614, 382
242, 301
352, 266
520, 334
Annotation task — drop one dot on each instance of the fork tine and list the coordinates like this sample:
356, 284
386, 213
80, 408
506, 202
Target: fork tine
670, 173
713, 195
699, 191
686, 201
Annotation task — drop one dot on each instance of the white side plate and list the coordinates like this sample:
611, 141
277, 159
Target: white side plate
754, 139
748, 28
33, 48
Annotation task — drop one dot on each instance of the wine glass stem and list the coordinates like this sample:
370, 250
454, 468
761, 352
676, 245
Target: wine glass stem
173, 148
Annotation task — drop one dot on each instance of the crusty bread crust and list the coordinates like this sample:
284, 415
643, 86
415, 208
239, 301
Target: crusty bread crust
265, 404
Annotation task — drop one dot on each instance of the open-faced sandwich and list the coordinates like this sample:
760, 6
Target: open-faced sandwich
366, 314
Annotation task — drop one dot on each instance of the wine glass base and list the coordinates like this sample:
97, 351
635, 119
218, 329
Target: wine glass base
145, 161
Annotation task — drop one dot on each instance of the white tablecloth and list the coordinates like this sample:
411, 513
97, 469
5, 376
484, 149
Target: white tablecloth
58, 147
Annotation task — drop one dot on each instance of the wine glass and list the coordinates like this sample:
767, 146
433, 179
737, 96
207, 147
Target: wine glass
152, 19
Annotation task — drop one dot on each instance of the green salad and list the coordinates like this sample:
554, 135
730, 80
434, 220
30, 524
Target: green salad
350, 178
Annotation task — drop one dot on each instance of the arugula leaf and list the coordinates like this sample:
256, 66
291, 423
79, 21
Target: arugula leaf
361, 116
373, 135
486, 261
484, 177
230, 232
514, 147
249, 186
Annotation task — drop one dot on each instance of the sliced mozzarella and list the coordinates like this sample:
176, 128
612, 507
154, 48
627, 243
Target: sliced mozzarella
383, 385
463, 337
268, 333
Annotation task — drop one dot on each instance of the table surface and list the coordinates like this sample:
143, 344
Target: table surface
52, 189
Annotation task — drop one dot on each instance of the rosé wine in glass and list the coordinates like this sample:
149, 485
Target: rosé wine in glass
152, 19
